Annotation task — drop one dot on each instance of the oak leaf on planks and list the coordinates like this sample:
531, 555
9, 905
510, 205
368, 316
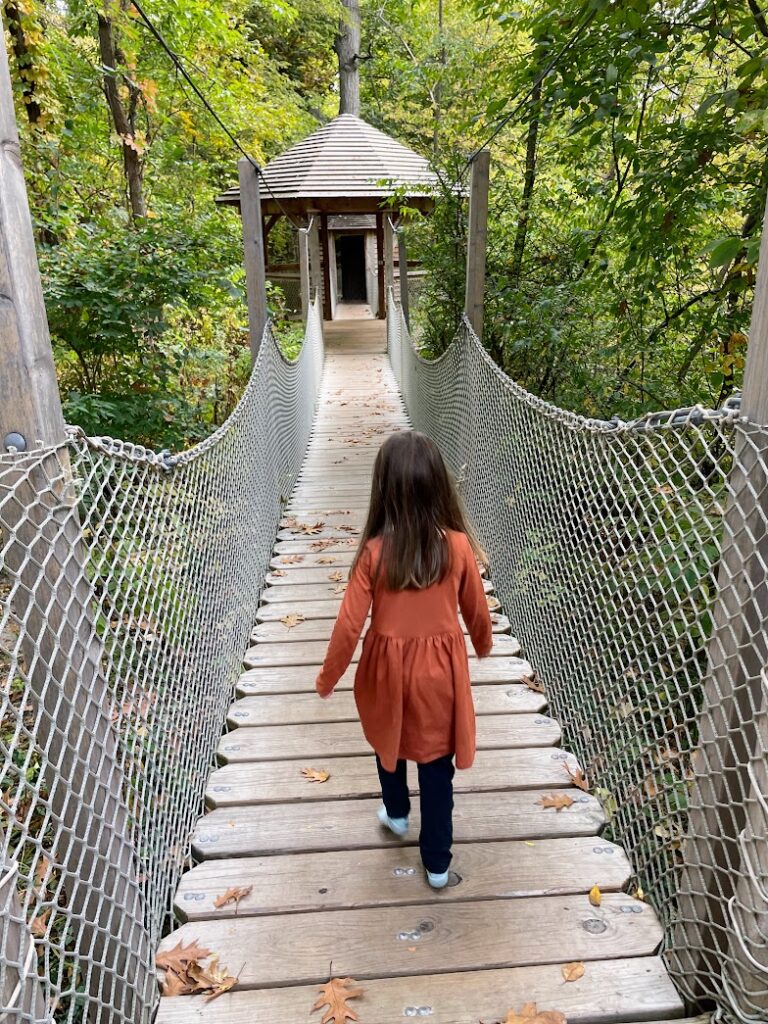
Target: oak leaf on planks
334, 995
336, 577
291, 559
289, 621
534, 683
573, 971
233, 895
556, 800
309, 529
315, 774
578, 778
530, 1014
184, 974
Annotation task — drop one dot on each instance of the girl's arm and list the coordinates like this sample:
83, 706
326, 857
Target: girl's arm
348, 627
474, 605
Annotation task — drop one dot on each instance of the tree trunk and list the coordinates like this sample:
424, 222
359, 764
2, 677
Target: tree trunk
347, 46
124, 119
24, 57
529, 181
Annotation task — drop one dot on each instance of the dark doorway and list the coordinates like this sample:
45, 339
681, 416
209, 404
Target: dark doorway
351, 250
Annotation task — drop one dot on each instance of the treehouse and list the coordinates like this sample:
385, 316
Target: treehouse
343, 184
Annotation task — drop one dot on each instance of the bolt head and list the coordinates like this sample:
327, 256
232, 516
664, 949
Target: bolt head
15, 440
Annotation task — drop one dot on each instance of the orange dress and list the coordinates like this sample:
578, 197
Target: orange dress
412, 685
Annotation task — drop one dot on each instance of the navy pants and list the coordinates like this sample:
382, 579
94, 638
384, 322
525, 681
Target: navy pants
436, 795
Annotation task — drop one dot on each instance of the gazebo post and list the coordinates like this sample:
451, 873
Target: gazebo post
315, 270
389, 256
327, 308
402, 263
382, 303
304, 271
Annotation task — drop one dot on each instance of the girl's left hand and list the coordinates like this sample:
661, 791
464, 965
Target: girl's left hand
323, 696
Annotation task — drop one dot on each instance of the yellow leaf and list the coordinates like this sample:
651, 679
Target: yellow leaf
556, 800
595, 896
289, 621
232, 895
336, 577
573, 971
315, 774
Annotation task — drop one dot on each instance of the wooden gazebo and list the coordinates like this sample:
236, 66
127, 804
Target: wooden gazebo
346, 169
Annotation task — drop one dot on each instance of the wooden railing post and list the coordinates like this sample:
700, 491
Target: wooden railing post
402, 261
727, 826
46, 563
304, 273
253, 252
477, 240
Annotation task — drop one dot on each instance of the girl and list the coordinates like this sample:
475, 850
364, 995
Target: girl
417, 561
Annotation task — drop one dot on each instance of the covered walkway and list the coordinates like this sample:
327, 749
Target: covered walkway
326, 892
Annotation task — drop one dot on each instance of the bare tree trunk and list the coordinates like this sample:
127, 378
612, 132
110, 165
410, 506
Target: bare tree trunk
24, 57
529, 181
124, 119
347, 46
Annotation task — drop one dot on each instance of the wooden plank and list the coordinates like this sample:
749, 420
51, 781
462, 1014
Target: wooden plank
316, 591
295, 708
395, 877
312, 652
319, 620
269, 782
611, 992
353, 825
301, 678
312, 559
412, 940
344, 739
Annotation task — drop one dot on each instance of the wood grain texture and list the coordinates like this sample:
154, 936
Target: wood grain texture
394, 877
282, 782
412, 940
312, 652
319, 620
343, 739
611, 992
352, 824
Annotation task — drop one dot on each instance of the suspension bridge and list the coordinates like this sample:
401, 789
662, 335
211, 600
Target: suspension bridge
188, 834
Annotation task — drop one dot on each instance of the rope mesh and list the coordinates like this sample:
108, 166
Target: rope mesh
129, 583
609, 544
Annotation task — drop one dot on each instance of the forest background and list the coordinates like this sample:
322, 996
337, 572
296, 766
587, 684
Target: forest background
627, 189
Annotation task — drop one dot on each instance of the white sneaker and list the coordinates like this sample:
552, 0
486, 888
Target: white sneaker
399, 826
437, 881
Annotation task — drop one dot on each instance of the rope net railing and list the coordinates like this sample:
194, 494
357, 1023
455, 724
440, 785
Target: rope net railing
129, 584
631, 560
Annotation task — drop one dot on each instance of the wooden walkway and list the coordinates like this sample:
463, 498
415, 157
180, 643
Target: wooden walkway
329, 890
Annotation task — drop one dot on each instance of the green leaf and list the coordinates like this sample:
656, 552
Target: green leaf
724, 250
611, 74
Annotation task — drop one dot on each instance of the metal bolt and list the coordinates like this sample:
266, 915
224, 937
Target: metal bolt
15, 440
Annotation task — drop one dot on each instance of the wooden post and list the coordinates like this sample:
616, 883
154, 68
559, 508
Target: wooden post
402, 260
327, 308
304, 272
315, 262
253, 251
389, 255
52, 596
381, 312
727, 828
477, 240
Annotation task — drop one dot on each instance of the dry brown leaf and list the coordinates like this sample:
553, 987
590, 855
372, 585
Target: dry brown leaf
315, 774
340, 588
309, 529
533, 683
319, 545
530, 1014
213, 979
334, 995
573, 971
232, 895
39, 925
289, 621
578, 778
335, 577
349, 528
326, 560
639, 894
181, 956
595, 896
291, 559
279, 572
556, 800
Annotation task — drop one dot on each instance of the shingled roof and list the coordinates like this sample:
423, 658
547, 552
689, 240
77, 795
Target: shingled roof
347, 165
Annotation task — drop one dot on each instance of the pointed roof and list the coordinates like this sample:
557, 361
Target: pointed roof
347, 165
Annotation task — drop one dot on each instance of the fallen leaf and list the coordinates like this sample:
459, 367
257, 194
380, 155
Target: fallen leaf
315, 774
595, 896
340, 588
211, 978
573, 971
181, 956
279, 572
349, 528
309, 529
232, 895
533, 683
556, 800
578, 778
493, 603
39, 925
326, 560
530, 1014
319, 545
335, 577
292, 559
289, 621
334, 995
289, 522
639, 894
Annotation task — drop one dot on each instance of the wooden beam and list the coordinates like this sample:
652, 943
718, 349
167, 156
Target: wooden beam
381, 312
81, 766
315, 262
327, 309
304, 277
267, 224
402, 259
332, 205
726, 843
389, 255
477, 241
253, 252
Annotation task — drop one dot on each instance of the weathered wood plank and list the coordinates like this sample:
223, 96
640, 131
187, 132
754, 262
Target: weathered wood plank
611, 992
295, 708
314, 559
319, 620
355, 777
343, 739
353, 825
394, 877
412, 940
301, 678
324, 591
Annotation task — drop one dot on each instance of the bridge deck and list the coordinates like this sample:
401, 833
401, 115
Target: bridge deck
330, 892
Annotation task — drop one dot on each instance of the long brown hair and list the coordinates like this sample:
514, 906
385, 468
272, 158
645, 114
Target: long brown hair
413, 502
